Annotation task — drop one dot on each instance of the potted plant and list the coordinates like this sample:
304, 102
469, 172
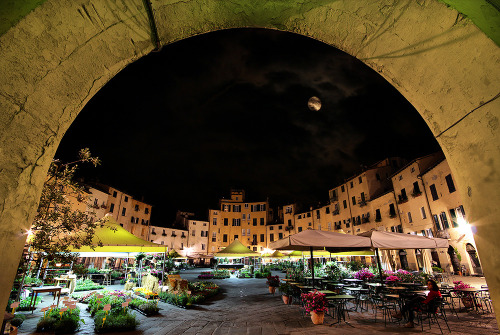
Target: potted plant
286, 293
364, 275
315, 304
273, 282
466, 297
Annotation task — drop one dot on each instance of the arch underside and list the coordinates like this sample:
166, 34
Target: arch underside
56, 58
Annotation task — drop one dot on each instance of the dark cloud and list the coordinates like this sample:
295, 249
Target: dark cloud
229, 109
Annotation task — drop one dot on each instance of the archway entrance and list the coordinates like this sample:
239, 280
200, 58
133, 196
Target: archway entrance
54, 61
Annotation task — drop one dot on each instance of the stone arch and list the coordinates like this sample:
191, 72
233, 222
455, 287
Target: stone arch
58, 56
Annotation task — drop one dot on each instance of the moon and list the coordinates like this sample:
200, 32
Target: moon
314, 104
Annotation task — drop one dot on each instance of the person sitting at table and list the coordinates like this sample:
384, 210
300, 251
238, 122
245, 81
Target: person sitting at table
417, 301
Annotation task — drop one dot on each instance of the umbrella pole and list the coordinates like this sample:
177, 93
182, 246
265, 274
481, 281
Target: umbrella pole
379, 265
312, 265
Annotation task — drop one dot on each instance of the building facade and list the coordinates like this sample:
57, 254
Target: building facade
237, 219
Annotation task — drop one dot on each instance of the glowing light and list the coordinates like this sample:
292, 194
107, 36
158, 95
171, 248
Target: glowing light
29, 232
267, 251
58, 265
463, 226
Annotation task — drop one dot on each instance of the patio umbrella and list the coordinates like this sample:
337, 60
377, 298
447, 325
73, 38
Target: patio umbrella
320, 240
391, 240
236, 249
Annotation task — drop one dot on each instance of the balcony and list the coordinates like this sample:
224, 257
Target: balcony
378, 219
402, 199
173, 235
362, 203
183, 236
416, 193
365, 220
336, 212
163, 234
334, 198
288, 228
153, 233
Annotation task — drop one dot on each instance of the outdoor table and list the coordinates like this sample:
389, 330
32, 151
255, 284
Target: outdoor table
293, 283
304, 287
310, 279
36, 290
326, 292
397, 288
286, 279
353, 280
339, 304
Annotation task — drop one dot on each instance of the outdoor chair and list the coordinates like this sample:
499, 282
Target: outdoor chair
484, 299
432, 312
448, 300
386, 307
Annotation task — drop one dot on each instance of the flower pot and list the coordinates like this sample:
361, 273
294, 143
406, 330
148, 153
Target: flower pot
317, 318
287, 299
272, 289
467, 301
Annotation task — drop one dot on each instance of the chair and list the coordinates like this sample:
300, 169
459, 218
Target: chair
433, 311
385, 306
484, 299
448, 300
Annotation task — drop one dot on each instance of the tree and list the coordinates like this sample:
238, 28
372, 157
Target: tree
58, 225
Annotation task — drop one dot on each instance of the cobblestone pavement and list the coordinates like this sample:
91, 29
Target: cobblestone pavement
245, 306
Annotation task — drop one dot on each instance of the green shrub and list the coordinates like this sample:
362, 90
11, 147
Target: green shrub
115, 322
53, 321
18, 320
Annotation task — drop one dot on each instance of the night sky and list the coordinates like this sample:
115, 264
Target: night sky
183, 126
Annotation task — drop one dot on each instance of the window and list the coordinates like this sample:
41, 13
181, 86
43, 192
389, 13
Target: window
224, 238
263, 207
204, 233
309, 224
412, 169
146, 210
214, 237
409, 218
136, 220
215, 212
429, 233
345, 203
246, 205
280, 227
377, 176
434, 192
453, 216
444, 220
271, 237
342, 188
226, 208
126, 199
248, 232
449, 182
214, 221
360, 179
352, 184
392, 211
193, 233
262, 238
236, 222
271, 228
132, 219
244, 216
115, 194
401, 177
226, 221
327, 210
202, 246
280, 236
136, 208
111, 208
261, 221
248, 217
363, 197
236, 208
317, 214
378, 216
436, 222
124, 210
309, 214
243, 232
300, 229
422, 211
462, 210
254, 221
299, 217
416, 189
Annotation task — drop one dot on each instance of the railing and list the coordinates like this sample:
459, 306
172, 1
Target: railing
362, 203
336, 212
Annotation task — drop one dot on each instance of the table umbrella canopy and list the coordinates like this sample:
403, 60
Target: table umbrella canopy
321, 253
236, 249
319, 240
390, 240
115, 238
